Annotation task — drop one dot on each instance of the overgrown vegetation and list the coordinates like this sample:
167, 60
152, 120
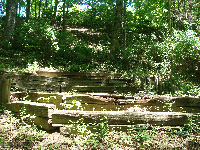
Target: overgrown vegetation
15, 133
154, 39
136, 38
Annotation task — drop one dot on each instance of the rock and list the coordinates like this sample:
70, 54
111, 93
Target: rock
187, 102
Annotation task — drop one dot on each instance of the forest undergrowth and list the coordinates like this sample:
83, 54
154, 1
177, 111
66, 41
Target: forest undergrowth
17, 134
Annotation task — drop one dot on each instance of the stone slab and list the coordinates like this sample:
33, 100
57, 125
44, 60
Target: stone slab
120, 117
44, 123
49, 98
39, 109
76, 74
187, 102
97, 89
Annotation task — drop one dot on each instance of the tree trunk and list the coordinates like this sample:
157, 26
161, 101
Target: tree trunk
19, 8
64, 28
10, 18
46, 4
39, 8
116, 29
123, 39
28, 10
35, 9
169, 17
44, 14
170, 33
55, 10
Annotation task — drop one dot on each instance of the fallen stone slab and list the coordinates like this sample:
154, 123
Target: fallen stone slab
99, 89
82, 98
44, 123
77, 74
187, 102
120, 117
48, 98
41, 122
97, 94
39, 109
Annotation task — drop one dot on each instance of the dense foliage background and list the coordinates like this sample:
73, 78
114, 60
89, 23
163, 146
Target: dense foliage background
136, 38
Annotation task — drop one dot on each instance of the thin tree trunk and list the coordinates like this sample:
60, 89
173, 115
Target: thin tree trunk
124, 25
169, 17
10, 18
178, 6
39, 8
35, 9
64, 28
55, 10
44, 9
46, 4
116, 29
18, 13
170, 33
19, 7
28, 10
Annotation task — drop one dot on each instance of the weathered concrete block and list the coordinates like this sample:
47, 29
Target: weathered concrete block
19, 95
120, 117
44, 110
39, 109
187, 102
44, 123
51, 99
99, 89
48, 98
5, 84
16, 106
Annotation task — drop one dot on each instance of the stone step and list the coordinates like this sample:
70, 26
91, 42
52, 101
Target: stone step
42, 122
70, 82
66, 79
100, 89
39, 109
49, 117
78, 74
48, 98
120, 117
56, 84
85, 89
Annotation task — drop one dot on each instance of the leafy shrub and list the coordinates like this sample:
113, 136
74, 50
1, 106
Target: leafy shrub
35, 39
181, 54
63, 56
82, 54
76, 58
